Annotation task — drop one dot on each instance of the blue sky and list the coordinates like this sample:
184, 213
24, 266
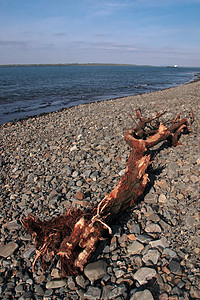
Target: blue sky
154, 32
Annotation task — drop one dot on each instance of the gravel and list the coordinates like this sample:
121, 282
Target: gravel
76, 156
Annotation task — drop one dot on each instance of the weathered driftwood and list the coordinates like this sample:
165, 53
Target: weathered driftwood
74, 236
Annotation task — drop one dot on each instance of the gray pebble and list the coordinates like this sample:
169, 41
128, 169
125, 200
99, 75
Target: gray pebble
142, 295
95, 270
93, 293
144, 274
8, 249
55, 284
151, 257
175, 267
29, 253
38, 290
134, 248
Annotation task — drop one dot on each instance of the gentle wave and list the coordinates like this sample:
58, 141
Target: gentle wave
33, 90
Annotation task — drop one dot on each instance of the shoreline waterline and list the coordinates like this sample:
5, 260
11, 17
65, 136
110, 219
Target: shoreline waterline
31, 91
99, 101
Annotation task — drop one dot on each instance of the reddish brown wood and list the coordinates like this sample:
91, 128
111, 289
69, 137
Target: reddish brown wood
74, 236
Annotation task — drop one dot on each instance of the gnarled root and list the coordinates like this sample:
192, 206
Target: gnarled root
74, 236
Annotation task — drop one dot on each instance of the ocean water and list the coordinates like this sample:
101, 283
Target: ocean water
31, 90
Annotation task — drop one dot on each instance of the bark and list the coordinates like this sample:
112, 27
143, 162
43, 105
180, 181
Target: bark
74, 236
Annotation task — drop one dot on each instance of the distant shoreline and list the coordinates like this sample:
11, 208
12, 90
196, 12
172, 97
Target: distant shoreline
87, 65
74, 64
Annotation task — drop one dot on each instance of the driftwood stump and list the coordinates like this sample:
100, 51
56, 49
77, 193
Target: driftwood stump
73, 237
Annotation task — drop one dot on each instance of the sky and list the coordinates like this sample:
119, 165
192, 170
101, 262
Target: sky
142, 32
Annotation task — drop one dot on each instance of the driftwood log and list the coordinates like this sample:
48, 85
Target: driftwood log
74, 236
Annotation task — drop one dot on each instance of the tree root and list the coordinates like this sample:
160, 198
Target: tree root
74, 236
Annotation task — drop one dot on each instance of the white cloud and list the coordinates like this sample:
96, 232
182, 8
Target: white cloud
108, 7
19, 44
60, 34
105, 7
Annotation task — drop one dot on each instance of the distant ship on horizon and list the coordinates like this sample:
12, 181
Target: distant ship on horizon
174, 66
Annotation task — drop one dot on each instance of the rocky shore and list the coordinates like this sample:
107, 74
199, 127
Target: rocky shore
75, 156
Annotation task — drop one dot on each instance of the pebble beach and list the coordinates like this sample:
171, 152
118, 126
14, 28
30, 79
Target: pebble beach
75, 156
